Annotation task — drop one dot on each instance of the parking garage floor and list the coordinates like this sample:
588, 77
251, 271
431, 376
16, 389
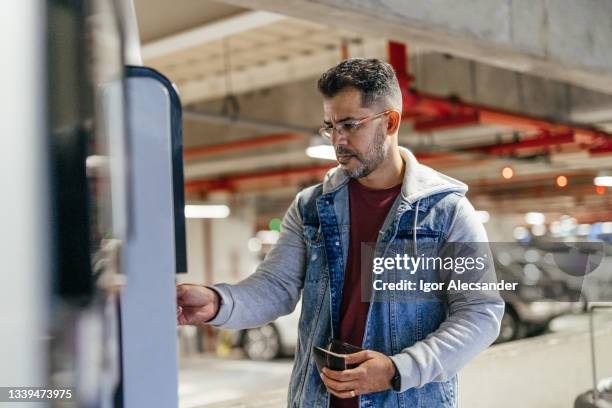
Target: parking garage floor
212, 382
209, 380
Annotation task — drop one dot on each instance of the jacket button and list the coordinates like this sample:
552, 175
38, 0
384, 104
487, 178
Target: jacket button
337, 243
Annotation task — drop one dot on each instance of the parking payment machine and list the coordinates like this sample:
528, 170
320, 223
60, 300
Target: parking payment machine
156, 248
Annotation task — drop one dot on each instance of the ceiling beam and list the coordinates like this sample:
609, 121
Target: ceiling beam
250, 163
246, 123
274, 72
217, 30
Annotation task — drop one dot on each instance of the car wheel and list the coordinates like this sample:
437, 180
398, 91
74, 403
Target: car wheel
509, 327
262, 343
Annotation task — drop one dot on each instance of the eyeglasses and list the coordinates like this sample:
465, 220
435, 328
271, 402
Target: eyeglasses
349, 127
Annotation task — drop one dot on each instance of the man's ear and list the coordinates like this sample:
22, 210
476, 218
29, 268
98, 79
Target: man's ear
393, 122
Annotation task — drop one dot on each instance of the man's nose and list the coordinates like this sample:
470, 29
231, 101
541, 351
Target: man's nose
339, 138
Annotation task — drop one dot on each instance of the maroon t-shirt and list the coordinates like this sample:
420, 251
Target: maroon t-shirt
368, 209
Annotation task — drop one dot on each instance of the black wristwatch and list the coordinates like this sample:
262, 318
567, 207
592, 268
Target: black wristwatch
396, 381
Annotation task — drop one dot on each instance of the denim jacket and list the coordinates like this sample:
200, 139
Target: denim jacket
428, 341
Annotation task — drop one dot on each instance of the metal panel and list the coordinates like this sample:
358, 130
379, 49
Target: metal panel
24, 212
150, 372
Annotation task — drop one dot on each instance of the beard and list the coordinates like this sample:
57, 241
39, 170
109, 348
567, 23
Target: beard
367, 162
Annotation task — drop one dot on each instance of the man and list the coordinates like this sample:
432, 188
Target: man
378, 194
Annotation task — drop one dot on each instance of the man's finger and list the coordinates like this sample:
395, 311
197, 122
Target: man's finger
358, 357
342, 394
180, 291
352, 374
191, 296
346, 375
180, 319
338, 386
186, 318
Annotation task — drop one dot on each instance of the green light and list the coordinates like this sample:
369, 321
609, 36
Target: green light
275, 224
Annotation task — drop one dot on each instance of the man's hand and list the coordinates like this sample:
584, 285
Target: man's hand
195, 304
373, 374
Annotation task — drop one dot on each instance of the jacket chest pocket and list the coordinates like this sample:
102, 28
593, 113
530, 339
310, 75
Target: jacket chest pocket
424, 242
413, 250
316, 266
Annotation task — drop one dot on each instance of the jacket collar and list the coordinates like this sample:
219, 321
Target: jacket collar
420, 181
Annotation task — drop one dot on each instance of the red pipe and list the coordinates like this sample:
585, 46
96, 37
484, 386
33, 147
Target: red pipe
231, 183
398, 58
544, 140
439, 123
431, 112
601, 150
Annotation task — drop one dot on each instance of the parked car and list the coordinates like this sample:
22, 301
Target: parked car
275, 339
544, 294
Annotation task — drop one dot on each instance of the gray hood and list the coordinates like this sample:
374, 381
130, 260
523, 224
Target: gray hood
420, 181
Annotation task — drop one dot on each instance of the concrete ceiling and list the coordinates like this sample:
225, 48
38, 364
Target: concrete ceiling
249, 51
271, 62
161, 18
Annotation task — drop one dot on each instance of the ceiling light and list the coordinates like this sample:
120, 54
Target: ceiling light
483, 216
603, 181
507, 172
562, 181
535, 218
207, 211
321, 152
267, 237
320, 148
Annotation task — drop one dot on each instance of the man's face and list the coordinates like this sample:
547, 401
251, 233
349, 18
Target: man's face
363, 150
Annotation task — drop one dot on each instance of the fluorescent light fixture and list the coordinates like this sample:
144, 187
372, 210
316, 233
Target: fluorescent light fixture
603, 181
207, 211
320, 148
325, 152
484, 216
535, 218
